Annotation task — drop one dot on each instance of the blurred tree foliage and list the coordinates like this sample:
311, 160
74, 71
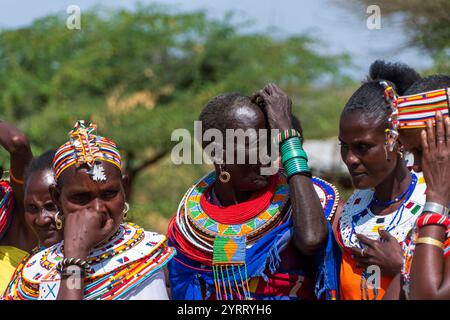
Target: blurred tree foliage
141, 74
427, 23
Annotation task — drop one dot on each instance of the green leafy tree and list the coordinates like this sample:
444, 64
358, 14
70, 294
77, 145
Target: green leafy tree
141, 74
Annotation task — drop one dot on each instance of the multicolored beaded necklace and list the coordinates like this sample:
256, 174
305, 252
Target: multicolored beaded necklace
356, 217
222, 246
397, 217
137, 256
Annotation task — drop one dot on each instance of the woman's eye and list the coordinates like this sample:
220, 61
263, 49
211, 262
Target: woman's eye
107, 195
49, 207
80, 198
32, 208
363, 147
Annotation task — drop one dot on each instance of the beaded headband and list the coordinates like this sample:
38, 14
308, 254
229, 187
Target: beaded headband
415, 110
391, 98
86, 148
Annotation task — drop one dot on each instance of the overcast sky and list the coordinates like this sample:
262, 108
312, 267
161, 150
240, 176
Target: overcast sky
339, 29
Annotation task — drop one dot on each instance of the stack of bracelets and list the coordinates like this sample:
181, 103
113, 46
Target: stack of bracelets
66, 262
439, 217
293, 157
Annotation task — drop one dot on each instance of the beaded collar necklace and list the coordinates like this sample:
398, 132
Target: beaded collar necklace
356, 215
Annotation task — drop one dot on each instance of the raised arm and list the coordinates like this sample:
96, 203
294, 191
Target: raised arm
310, 225
430, 271
17, 145
18, 235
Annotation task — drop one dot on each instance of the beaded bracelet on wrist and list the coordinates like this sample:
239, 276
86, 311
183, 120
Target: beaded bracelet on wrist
83, 264
433, 219
288, 133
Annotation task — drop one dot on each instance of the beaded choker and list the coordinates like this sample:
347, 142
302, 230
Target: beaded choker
204, 223
380, 203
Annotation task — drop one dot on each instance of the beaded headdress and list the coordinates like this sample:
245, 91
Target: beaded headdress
86, 148
415, 110
391, 98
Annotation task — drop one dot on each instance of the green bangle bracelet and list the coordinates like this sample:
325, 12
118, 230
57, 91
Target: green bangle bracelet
294, 154
292, 168
289, 144
297, 165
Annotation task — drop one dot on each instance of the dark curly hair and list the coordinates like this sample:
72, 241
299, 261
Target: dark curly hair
369, 98
430, 83
40, 163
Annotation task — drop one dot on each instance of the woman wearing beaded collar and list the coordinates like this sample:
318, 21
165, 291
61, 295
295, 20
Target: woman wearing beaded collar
388, 200
240, 234
425, 131
100, 257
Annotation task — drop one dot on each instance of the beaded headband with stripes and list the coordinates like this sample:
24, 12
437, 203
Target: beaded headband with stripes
86, 148
415, 110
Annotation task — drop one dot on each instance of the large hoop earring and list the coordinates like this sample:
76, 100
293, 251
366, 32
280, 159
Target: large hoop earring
58, 221
224, 176
125, 210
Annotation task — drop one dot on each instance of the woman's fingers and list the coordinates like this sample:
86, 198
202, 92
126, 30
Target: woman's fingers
424, 142
447, 131
274, 88
440, 131
431, 139
263, 94
365, 240
359, 253
385, 235
259, 97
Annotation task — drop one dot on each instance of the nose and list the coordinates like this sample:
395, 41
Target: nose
44, 218
350, 159
99, 205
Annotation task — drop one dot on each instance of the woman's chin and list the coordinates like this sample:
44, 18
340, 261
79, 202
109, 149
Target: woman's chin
50, 241
361, 183
257, 184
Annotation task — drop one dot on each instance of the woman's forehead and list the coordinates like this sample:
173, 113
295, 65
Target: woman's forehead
353, 127
82, 175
